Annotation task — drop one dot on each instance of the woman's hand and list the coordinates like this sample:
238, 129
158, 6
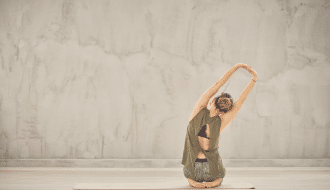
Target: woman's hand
248, 68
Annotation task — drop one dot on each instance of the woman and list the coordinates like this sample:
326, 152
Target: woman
201, 159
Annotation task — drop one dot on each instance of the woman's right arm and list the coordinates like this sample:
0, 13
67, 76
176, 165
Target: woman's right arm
249, 87
230, 115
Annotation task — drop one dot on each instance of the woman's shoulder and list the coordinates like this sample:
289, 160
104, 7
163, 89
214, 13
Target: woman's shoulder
198, 114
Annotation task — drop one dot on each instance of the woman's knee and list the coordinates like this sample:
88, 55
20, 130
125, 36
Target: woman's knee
191, 181
218, 181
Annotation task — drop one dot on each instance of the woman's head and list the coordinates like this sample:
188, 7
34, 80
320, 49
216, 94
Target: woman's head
224, 102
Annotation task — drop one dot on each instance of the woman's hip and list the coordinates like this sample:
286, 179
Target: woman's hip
201, 171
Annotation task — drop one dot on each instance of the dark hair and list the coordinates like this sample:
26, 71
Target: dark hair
224, 95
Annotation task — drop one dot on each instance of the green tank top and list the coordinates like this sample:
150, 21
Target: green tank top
192, 146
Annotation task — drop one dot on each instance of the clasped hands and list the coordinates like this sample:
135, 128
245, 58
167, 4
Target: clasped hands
248, 68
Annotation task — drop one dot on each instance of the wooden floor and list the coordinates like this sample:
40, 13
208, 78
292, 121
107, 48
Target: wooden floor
311, 178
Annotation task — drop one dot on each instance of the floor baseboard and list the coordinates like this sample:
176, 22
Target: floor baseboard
158, 163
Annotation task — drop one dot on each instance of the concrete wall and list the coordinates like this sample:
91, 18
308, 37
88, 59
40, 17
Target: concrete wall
119, 79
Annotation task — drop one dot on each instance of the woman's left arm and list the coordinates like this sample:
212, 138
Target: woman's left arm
250, 70
249, 87
203, 101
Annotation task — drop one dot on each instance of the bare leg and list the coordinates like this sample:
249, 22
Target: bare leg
195, 184
191, 182
217, 182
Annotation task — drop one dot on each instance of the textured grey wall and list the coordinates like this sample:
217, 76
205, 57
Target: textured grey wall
119, 79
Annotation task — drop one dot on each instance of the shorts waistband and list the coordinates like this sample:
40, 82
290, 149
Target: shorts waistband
201, 160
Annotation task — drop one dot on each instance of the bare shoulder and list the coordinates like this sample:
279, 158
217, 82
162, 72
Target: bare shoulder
195, 112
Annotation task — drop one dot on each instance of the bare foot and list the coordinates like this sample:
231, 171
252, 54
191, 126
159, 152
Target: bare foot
215, 183
211, 185
195, 184
200, 185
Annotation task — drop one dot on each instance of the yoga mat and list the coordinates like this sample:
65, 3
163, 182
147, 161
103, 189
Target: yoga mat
182, 184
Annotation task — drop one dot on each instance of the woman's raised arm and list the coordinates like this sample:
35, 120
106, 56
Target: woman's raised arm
215, 88
230, 115
205, 98
209, 93
249, 87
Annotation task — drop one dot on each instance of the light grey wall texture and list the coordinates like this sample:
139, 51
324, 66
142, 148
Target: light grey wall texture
119, 79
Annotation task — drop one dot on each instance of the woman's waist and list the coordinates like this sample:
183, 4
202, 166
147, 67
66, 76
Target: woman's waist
201, 160
209, 154
212, 150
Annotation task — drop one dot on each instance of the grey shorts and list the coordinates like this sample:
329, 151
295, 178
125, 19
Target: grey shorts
201, 172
